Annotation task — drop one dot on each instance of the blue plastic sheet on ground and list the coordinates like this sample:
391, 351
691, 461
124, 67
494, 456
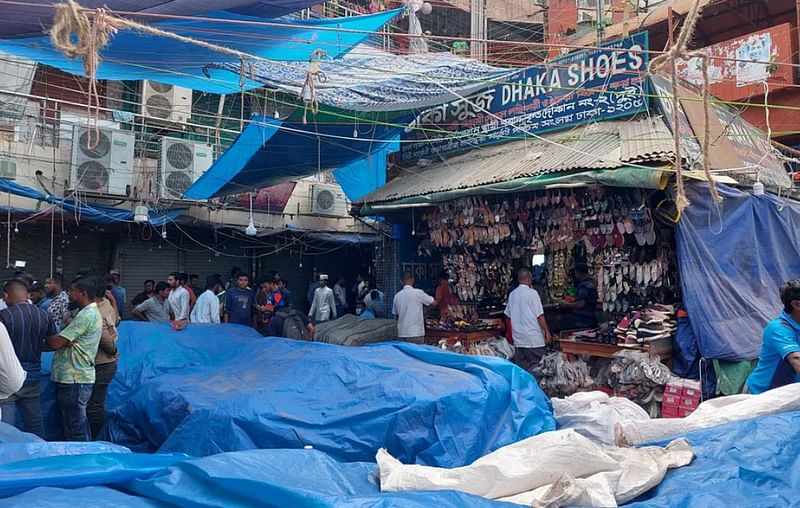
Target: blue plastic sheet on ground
214, 388
11, 434
281, 478
80, 470
732, 262
753, 463
83, 497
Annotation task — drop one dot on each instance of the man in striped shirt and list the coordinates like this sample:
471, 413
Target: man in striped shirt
28, 326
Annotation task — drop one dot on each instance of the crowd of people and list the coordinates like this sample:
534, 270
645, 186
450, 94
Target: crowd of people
79, 322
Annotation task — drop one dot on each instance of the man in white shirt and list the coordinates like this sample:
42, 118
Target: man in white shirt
528, 326
12, 375
408, 306
178, 298
323, 307
206, 309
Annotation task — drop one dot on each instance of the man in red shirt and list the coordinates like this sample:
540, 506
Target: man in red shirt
444, 295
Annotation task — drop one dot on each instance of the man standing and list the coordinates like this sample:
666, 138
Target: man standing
444, 295
194, 284
156, 308
105, 362
37, 296
184, 278
583, 308
60, 301
240, 302
779, 358
178, 298
268, 300
408, 306
73, 363
283, 287
119, 292
528, 326
28, 326
340, 296
323, 307
206, 310
149, 286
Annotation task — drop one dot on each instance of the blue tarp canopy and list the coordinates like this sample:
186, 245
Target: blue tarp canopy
733, 258
270, 151
215, 388
90, 212
28, 19
135, 56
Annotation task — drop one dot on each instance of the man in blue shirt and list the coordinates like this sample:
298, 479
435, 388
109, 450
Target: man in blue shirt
584, 306
779, 359
28, 326
240, 302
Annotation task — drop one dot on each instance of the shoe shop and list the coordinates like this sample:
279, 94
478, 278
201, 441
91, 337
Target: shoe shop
594, 219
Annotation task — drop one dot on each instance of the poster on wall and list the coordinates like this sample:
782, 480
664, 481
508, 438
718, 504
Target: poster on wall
590, 85
749, 57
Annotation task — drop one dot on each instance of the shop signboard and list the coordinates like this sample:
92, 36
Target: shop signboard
590, 85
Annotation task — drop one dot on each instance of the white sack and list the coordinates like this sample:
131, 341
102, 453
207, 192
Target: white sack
595, 414
12, 376
710, 414
551, 470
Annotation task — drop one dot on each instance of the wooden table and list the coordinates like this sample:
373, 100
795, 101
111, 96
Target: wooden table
661, 347
434, 336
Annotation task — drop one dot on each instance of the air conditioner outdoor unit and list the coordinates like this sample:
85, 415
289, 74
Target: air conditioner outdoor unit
327, 200
167, 103
102, 160
181, 162
8, 169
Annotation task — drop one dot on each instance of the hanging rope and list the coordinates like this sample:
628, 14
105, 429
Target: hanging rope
679, 51
313, 75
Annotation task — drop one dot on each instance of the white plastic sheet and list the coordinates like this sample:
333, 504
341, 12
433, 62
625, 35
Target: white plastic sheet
553, 469
710, 414
11, 373
595, 414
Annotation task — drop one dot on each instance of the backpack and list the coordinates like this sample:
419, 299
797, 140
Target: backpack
293, 327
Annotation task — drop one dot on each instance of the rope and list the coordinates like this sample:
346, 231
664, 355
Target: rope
679, 51
309, 92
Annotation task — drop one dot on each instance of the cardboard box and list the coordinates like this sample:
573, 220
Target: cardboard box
683, 412
670, 411
673, 389
671, 400
689, 402
691, 393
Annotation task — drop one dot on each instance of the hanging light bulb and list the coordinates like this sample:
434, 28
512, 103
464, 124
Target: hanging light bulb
276, 114
355, 131
163, 231
16, 228
758, 189
251, 230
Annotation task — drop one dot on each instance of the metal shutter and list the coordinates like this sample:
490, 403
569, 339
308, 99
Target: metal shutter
140, 260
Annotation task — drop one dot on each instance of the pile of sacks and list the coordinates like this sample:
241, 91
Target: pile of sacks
559, 377
640, 377
496, 346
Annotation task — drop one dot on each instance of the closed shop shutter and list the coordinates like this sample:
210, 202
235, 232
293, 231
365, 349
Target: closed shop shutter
141, 260
204, 263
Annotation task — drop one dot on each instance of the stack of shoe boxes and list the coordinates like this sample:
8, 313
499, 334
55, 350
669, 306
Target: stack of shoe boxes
681, 398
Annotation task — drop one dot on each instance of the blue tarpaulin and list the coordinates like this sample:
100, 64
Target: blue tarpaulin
270, 151
28, 19
134, 55
753, 463
732, 261
89, 212
215, 388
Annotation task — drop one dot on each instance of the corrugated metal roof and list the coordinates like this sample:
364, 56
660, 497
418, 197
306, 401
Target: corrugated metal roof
606, 145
